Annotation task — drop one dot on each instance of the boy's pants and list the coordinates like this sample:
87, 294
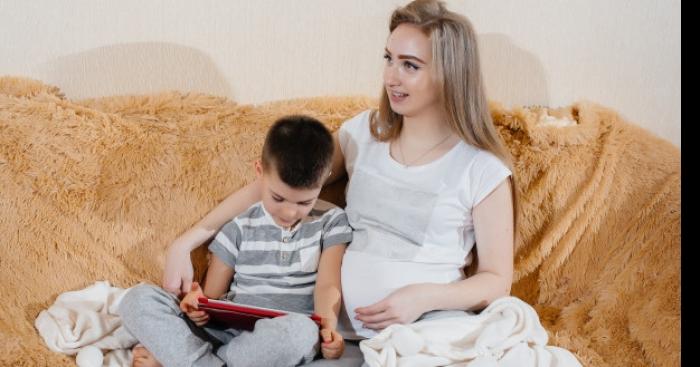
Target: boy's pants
153, 316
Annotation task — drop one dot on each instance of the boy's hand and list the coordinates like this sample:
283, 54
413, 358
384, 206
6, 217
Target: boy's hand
190, 305
332, 344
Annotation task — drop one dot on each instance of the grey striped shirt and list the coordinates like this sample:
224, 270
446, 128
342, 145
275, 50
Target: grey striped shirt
275, 267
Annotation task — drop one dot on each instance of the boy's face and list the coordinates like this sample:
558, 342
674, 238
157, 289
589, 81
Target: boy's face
286, 205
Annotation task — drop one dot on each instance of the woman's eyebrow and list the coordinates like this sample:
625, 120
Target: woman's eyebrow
403, 57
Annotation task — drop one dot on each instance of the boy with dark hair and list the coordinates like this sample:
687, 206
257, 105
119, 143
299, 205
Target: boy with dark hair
285, 252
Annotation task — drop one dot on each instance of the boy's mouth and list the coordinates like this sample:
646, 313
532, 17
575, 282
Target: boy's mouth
286, 223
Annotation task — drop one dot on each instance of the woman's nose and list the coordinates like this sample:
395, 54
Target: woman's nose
390, 76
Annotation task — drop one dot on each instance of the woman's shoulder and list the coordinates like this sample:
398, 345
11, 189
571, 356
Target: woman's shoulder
358, 122
476, 159
356, 128
484, 159
486, 172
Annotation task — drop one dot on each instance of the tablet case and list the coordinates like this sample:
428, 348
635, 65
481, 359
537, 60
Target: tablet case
240, 316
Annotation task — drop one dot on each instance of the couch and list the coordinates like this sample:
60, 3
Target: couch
96, 189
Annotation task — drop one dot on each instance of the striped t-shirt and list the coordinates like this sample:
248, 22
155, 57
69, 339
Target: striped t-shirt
275, 267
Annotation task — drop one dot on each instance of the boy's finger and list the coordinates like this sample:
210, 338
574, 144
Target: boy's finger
197, 313
184, 307
326, 335
193, 304
330, 354
335, 344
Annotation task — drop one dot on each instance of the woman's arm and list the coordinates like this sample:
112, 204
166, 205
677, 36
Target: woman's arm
493, 227
178, 272
338, 162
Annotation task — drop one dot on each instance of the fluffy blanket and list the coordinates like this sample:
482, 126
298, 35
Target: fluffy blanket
85, 322
96, 189
507, 333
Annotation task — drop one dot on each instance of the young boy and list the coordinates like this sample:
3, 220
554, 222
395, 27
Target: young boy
285, 252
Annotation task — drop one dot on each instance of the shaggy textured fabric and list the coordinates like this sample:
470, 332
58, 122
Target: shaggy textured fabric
96, 190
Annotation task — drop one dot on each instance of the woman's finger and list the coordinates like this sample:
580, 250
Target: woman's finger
378, 307
381, 325
375, 318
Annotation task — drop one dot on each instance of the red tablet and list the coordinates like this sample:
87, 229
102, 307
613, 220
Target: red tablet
241, 316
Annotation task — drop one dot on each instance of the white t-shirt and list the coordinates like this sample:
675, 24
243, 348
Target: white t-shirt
410, 224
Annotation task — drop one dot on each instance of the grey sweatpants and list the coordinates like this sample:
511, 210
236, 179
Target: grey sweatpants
154, 318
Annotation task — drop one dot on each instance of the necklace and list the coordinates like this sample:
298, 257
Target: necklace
408, 164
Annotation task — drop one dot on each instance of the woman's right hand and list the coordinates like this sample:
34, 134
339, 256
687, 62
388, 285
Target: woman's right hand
178, 273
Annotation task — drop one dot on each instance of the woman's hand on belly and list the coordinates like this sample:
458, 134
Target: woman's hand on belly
402, 306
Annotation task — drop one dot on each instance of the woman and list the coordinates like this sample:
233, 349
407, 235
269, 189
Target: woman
429, 181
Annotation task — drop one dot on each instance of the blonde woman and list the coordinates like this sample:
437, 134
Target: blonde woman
430, 188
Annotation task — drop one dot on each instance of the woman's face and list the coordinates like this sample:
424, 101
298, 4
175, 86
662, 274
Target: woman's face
408, 79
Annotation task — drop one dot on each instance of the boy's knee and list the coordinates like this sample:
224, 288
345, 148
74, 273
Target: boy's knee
138, 299
301, 332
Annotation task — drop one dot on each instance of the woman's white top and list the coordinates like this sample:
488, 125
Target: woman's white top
410, 224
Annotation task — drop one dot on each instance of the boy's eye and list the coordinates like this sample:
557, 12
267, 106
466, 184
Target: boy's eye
279, 200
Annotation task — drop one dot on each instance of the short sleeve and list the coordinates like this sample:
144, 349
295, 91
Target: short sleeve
226, 244
351, 134
336, 229
487, 172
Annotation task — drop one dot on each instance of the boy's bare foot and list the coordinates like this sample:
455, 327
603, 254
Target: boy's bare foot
143, 358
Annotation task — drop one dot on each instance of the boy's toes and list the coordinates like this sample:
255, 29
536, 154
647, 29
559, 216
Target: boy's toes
143, 358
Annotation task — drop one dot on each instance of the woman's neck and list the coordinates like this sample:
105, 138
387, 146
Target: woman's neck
424, 130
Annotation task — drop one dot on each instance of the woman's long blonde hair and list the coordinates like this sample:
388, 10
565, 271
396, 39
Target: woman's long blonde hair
457, 70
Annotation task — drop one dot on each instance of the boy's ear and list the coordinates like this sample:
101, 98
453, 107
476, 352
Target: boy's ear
258, 168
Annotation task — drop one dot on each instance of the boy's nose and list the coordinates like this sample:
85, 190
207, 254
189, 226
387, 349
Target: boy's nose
290, 214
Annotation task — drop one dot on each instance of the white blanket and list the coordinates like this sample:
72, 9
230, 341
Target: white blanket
85, 323
507, 333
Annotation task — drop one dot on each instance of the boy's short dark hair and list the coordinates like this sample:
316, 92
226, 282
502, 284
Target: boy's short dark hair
300, 149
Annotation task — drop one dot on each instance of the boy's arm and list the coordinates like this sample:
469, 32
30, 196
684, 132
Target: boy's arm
218, 278
327, 292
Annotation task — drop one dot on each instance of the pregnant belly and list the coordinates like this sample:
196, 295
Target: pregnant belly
367, 279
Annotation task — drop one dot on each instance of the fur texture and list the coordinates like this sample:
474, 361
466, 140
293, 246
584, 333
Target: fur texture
97, 189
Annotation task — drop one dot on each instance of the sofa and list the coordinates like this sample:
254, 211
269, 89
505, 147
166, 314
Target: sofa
96, 189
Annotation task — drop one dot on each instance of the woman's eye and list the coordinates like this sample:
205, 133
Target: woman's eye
387, 57
411, 66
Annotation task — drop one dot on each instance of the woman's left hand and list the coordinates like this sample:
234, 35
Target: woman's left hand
402, 306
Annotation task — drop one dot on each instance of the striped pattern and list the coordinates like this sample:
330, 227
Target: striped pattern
275, 267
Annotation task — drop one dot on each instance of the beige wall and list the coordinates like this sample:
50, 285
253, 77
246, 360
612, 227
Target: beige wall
624, 53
